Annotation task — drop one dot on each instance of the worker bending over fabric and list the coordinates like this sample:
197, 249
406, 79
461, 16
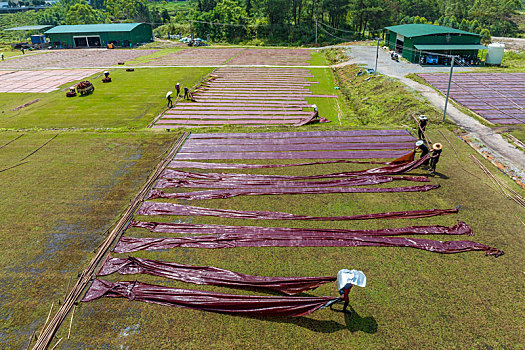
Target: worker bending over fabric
434, 157
420, 146
421, 127
316, 113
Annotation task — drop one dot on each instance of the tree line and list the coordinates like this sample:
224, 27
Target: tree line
294, 21
285, 21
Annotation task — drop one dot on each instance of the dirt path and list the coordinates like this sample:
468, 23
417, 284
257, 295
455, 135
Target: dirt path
517, 44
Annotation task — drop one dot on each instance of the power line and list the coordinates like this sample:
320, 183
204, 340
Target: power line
334, 36
349, 31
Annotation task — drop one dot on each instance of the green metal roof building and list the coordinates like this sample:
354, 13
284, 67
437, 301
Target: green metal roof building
414, 40
99, 35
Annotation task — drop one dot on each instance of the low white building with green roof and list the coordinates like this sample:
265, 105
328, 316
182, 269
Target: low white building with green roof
414, 40
99, 35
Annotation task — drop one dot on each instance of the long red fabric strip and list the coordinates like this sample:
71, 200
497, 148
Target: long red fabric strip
162, 208
239, 184
262, 147
131, 244
272, 135
210, 275
321, 142
292, 155
229, 193
460, 228
393, 169
208, 301
204, 165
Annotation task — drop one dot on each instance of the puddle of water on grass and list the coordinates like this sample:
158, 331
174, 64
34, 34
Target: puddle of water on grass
131, 330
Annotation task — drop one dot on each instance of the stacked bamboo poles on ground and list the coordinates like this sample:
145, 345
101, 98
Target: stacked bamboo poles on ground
86, 276
504, 188
516, 141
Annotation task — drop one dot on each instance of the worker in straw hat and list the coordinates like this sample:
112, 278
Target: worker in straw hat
434, 157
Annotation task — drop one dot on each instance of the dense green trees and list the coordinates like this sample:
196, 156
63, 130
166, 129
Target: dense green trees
82, 13
294, 20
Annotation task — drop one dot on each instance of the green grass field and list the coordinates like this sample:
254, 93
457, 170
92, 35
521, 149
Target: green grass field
55, 211
132, 100
414, 299
57, 208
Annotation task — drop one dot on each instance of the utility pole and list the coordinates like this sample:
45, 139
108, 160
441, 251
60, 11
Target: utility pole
316, 31
377, 56
448, 89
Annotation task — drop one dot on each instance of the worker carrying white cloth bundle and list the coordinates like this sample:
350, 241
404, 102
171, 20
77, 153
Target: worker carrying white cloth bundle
346, 279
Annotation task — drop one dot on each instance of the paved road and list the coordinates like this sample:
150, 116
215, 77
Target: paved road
512, 158
367, 55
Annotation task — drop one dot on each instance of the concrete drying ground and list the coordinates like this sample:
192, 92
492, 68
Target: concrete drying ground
40, 81
74, 58
497, 97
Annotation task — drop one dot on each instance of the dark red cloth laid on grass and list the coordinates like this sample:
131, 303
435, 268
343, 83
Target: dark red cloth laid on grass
273, 135
239, 184
203, 165
460, 228
229, 193
321, 142
282, 155
210, 275
263, 147
308, 239
393, 169
252, 305
162, 208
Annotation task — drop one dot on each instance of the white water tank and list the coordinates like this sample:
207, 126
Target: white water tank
495, 54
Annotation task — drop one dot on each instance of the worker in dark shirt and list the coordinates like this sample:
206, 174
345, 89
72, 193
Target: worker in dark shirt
170, 101
186, 93
421, 127
177, 88
420, 146
434, 157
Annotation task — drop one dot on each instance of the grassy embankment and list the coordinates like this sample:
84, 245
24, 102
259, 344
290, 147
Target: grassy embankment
380, 100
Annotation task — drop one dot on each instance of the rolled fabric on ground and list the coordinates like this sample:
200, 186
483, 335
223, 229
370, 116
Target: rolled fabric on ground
131, 244
163, 208
239, 184
460, 228
252, 305
209, 275
229, 193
